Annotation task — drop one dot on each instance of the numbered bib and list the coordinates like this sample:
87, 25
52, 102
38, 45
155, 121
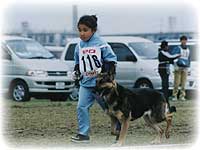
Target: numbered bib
185, 53
90, 61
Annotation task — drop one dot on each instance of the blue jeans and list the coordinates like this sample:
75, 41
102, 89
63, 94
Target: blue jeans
86, 100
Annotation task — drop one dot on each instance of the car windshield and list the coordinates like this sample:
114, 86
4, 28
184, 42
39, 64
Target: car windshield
145, 50
29, 49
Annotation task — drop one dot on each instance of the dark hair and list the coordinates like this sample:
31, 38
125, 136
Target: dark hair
183, 38
163, 44
89, 21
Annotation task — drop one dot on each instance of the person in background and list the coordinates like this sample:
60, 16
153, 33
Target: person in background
181, 69
92, 55
165, 59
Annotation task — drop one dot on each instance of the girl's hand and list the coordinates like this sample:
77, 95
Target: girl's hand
75, 75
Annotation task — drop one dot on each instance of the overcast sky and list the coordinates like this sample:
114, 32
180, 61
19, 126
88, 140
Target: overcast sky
112, 18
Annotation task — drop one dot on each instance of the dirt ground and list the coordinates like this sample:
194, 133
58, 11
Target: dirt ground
42, 123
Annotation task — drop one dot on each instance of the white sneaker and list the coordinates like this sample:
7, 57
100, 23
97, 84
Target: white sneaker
182, 99
174, 98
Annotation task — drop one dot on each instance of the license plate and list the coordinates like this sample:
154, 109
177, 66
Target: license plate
191, 83
60, 85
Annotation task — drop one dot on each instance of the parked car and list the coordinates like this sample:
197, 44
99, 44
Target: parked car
137, 60
29, 70
193, 72
55, 50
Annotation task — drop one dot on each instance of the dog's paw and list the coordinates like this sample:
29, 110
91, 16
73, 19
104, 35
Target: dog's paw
156, 141
116, 133
116, 144
167, 135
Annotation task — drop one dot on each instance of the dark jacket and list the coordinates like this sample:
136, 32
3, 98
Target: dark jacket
165, 59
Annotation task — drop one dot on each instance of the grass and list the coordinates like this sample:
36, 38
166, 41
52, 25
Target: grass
46, 123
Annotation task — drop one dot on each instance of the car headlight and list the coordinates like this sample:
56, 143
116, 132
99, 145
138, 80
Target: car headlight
40, 73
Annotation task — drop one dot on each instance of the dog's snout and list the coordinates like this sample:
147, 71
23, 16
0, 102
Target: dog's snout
99, 82
103, 78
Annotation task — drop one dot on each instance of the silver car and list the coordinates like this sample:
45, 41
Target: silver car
29, 70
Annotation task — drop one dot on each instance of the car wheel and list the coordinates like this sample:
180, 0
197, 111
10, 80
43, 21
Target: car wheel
19, 91
74, 95
143, 84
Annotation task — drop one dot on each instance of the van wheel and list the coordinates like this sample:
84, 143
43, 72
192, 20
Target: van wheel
19, 91
144, 83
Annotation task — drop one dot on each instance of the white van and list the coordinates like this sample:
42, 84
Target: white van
136, 60
29, 70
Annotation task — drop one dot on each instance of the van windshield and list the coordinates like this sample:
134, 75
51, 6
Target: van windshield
145, 50
29, 49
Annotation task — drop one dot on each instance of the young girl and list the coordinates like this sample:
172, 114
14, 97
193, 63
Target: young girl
91, 53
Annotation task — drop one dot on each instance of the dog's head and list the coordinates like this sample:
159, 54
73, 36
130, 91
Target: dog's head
106, 87
107, 74
105, 83
104, 80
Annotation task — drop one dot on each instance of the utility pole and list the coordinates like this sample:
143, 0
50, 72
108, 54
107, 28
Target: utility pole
74, 18
171, 23
25, 28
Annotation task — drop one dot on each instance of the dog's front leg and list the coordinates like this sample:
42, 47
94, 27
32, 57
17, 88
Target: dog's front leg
113, 125
124, 128
169, 123
123, 132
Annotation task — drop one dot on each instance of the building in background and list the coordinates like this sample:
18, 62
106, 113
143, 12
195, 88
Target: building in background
60, 38
50, 38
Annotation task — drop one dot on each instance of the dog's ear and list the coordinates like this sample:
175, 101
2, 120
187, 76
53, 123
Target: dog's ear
109, 67
112, 77
112, 68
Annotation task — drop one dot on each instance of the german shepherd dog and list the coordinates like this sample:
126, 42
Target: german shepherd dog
126, 105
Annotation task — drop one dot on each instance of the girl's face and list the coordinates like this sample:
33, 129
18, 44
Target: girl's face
85, 32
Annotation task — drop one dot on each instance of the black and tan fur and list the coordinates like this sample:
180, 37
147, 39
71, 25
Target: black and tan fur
127, 105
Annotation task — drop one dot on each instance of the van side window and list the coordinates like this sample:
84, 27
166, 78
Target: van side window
123, 52
5, 53
70, 52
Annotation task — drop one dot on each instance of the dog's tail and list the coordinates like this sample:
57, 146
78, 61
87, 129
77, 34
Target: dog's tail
171, 108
